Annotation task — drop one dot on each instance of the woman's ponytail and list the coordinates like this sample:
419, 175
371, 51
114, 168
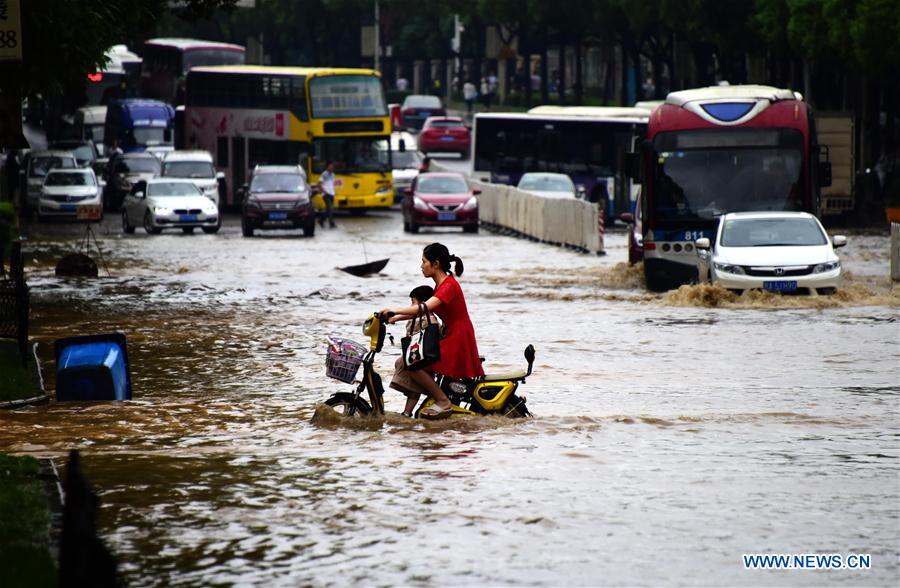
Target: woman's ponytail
458, 265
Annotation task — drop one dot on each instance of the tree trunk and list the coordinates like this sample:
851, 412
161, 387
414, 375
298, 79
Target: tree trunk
579, 75
561, 86
545, 86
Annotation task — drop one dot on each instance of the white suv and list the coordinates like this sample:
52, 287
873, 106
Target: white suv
196, 166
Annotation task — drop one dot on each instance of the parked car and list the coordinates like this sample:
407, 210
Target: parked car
126, 171
406, 162
169, 203
549, 185
416, 108
776, 251
635, 232
196, 166
440, 199
37, 165
71, 193
84, 150
277, 197
445, 134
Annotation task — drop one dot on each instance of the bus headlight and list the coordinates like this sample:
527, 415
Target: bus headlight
729, 268
471, 204
419, 203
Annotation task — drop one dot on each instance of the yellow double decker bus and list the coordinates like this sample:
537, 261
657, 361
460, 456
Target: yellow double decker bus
260, 115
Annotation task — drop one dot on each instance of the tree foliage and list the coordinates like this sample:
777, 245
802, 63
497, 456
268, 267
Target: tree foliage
63, 40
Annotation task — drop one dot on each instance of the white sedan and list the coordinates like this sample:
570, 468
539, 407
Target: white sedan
72, 193
166, 203
775, 251
549, 185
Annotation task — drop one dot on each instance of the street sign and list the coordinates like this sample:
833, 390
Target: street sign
10, 31
89, 213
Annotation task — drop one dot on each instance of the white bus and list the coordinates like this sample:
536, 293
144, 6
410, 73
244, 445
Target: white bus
586, 143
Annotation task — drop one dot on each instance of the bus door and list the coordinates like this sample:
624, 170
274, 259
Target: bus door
623, 184
238, 167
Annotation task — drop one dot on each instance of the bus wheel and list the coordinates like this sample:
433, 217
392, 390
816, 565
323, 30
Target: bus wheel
655, 282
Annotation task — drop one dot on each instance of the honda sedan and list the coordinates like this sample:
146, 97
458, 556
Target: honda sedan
786, 252
169, 204
440, 199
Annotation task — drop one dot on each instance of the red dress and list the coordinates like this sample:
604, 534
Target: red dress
459, 352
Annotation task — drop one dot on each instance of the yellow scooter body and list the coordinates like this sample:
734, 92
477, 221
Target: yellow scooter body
456, 411
492, 396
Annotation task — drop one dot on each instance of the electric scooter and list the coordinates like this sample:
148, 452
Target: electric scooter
486, 395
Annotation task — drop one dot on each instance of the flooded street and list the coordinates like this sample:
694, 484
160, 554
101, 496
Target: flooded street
672, 434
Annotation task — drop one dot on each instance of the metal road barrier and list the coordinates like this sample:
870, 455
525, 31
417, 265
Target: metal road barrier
895, 252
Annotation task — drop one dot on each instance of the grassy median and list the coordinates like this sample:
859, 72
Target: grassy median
24, 525
15, 379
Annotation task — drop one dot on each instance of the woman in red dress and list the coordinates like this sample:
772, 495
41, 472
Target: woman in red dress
459, 352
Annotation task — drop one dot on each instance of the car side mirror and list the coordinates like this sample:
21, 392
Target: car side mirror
633, 165
220, 175
408, 191
627, 218
838, 241
702, 243
476, 191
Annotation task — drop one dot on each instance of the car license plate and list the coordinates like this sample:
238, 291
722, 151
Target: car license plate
188, 218
446, 138
424, 113
446, 216
67, 207
781, 286
277, 215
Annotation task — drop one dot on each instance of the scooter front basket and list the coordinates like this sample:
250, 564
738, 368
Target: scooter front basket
343, 358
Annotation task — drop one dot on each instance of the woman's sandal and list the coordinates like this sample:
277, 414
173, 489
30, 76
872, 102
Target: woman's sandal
436, 412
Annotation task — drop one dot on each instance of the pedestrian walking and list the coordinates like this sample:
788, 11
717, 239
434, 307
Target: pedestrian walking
485, 92
469, 95
326, 185
12, 175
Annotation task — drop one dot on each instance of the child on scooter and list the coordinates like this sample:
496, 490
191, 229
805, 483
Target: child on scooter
402, 380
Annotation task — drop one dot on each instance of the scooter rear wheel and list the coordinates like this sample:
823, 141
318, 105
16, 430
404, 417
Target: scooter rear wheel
347, 404
515, 408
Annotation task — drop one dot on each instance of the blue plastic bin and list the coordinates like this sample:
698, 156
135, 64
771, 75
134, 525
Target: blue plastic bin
93, 367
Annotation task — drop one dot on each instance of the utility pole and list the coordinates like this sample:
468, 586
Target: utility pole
377, 38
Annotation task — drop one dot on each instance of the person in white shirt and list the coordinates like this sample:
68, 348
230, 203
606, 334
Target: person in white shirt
326, 184
469, 95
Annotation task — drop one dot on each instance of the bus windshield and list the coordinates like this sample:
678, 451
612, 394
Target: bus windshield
353, 154
346, 96
704, 174
150, 136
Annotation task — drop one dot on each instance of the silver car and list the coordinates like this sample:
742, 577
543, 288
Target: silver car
169, 203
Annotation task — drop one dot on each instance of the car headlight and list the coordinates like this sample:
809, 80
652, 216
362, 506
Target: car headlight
252, 202
161, 210
419, 203
383, 189
826, 267
471, 203
729, 268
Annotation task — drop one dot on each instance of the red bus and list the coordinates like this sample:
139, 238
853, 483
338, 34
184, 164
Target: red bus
715, 150
167, 61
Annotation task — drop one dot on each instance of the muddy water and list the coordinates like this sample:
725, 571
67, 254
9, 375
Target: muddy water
672, 433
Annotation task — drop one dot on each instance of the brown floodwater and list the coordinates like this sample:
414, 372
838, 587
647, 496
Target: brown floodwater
672, 433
